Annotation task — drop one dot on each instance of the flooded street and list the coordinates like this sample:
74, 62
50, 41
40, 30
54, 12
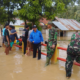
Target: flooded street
15, 66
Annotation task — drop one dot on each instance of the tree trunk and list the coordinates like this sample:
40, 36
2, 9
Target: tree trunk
1, 31
8, 14
33, 23
8, 18
25, 22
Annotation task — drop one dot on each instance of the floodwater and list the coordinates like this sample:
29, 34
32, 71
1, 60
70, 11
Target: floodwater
15, 66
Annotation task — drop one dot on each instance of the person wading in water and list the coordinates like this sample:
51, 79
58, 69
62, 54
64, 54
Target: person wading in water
73, 53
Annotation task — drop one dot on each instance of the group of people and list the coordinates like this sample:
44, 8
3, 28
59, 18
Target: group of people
9, 35
32, 39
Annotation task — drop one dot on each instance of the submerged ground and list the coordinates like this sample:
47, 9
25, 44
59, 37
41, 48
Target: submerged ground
15, 66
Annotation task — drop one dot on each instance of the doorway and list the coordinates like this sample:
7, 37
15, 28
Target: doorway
61, 34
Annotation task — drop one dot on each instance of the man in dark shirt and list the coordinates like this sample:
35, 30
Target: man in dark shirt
16, 33
6, 39
25, 37
12, 36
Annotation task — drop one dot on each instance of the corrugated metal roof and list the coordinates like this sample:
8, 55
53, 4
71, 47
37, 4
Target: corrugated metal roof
69, 24
59, 25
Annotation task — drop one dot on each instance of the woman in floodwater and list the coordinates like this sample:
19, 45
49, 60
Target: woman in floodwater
73, 53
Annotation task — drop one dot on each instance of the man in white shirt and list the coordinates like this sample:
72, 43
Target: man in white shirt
29, 44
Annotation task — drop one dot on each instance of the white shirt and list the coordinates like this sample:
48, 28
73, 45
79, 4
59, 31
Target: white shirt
29, 34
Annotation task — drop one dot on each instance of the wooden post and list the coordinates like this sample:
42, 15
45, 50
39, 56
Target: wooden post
22, 47
63, 34
59, 33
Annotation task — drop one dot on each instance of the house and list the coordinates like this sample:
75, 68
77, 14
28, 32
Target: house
17, 24
66, 27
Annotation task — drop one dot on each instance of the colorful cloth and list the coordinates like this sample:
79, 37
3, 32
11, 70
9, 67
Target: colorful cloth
11, 44
17, 42
51, 41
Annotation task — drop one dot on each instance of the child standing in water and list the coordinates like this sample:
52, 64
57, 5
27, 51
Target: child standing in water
20, 42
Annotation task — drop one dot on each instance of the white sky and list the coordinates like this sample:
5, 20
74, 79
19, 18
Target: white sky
76, 4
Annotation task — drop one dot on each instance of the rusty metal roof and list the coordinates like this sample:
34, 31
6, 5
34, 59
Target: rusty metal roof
67, 24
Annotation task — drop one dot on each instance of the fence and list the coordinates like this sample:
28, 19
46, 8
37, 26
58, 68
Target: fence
55, 57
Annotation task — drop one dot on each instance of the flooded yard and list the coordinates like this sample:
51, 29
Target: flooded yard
15, 66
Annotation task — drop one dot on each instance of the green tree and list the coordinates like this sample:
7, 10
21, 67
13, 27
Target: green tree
78, 1
10, 6
67, 2
34, 10
73, 12
3, 15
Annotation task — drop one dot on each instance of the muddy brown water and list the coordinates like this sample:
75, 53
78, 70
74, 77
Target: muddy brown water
15, 66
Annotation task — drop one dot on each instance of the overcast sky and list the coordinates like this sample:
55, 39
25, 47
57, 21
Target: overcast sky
76, 4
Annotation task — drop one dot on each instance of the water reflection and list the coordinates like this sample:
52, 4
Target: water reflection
17, 70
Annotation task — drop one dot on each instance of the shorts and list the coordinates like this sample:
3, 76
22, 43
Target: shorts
11, 44
29, 44
6, 44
